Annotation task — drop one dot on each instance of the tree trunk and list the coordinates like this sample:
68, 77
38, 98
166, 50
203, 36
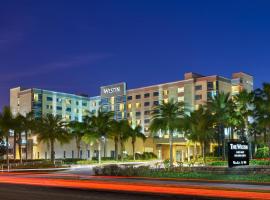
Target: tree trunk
203, 151
116, 148
171, 149
105, 148
14, 146
122, 150
20, 147
133, 149
26, 146
78, 145
264, 136
52, 152
195, 151
99, 152
7, 150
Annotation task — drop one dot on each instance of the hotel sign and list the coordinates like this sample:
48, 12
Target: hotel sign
238, 154
113, 90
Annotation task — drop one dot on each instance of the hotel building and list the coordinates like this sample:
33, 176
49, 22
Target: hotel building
132, 104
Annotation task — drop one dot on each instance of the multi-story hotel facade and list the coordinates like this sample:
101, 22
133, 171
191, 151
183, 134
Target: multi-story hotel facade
135, 105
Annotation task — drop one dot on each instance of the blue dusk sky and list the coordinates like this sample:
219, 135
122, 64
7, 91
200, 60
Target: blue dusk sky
78, 46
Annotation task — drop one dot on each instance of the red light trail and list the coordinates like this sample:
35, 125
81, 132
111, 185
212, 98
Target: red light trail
130, 187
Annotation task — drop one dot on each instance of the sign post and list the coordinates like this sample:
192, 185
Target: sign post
238, 154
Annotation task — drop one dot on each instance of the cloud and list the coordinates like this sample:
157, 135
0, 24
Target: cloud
71, 63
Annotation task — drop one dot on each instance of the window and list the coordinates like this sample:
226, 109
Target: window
64, 154
84, 103
59, 108
49, 107
138, 122
138, 105
165, 92
147, 112
146, 121
198, 87
155, 103
59, 100
180, 90
68, 101
181, 99
138, 114
129, 98
198, 97
49, 98
129, 106
146, 95
146, 103
68, 109
138, 96
165, 100
77, 103
155, 94
88, 153
210, 86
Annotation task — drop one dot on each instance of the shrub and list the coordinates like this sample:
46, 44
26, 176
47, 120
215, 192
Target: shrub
145, 156
260, 162
262, 152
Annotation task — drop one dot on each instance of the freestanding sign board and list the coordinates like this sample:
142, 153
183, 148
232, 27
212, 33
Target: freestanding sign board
238, 154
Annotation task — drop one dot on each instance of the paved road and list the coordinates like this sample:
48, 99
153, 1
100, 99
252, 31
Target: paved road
26, 192
85, 186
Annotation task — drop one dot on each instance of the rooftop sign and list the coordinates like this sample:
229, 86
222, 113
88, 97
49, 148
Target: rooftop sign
118, 89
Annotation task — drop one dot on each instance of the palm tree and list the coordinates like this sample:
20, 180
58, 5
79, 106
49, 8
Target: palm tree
220, 107
125, 131
18, 129
200, 128
262, 105
6, 124
29, 124
166, 118
51, 129
100, 127
114, 134
78, 130
136, 133
243, 102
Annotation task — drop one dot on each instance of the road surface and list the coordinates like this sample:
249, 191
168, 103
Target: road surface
81, 185
26, 192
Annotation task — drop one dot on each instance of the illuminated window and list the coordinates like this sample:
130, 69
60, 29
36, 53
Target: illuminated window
59, 100
121, 107
76, 110
181, 99
68, 117
138, 105
35, 97
166, 100
165, 92
129, 106
138, 122
180, 90
68, 101
112, 100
